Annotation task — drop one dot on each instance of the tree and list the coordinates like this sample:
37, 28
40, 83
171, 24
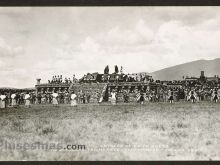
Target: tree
106, 70
116, 69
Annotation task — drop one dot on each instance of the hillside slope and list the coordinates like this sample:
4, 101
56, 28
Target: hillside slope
211, 68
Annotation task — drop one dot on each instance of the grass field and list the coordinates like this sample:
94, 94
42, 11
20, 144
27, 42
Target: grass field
153, 131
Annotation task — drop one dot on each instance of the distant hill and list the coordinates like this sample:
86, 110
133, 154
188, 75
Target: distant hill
211, 68
11, 88
1, 88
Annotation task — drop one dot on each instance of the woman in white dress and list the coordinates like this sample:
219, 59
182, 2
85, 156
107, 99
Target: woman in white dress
55, 96
73, 99
13, 101
113, 97
27, 100
2, 98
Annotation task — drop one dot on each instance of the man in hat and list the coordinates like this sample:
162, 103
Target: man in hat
125, 95
32, 98
103, 78
69, 81
18, 98
50, 97
98, 96
186, 93
170, 96
153, 96
108, 78
66, 96
55, 79
82, 97
218, 91
39, 96
21, 98
88, 96
47, 95
141, 99
192, 96
61, 96
74, 78
58, 79
161, 92
61, 79
215, 95
147, 94
43, 98
66, 80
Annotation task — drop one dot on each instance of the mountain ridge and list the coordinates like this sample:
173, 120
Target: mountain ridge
193, 68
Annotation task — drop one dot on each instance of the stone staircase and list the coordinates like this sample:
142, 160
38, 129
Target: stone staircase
99, 92
96, 90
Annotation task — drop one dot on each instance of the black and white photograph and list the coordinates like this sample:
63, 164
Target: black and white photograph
118, 83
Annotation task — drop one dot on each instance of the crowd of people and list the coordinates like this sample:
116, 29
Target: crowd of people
197, 90
126, 78
14, 99
170, 95
27, 99
193, 94
59, 79
115, 77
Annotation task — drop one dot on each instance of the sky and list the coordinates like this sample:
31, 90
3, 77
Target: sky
39, 42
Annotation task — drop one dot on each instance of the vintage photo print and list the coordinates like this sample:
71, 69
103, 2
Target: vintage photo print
109, 83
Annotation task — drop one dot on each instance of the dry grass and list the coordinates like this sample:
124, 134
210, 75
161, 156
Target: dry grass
152, 131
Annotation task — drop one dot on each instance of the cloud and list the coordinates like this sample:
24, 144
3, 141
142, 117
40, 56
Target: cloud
90, 45
41, 42
142, 48
119, 39
7, 50
172, 43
